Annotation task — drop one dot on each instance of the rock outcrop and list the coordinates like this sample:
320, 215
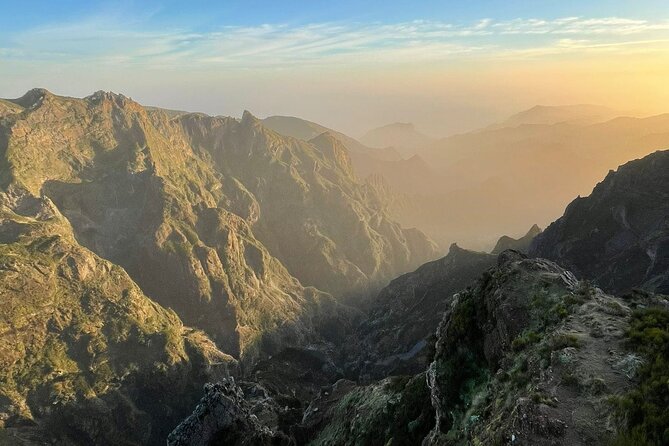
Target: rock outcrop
85, 356
521, 244
223, 416
529, 356
619, 235
397, 337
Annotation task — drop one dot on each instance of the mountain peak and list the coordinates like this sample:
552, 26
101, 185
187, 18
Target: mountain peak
33, 97
249, 118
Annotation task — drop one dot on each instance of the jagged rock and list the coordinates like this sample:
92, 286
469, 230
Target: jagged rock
85, 356
528, 356
619, 235
522, 244
397, 336
329, 230
223, 417
138, 194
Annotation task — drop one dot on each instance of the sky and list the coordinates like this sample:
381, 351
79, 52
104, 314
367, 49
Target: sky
446, 66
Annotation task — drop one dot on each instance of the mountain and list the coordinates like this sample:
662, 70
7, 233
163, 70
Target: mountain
137, 194
402, 136
521, 244
619, 235
496, 180
396, 336
404, 176
85, 356
526, 355
330, 231
580, 114
122, 226
307, 130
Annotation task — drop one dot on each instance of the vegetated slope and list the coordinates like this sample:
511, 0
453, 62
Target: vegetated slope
528, 355
404, 176
521, 244
138, 195
329, 230
619, 235
397, 335
85, 356
532, 356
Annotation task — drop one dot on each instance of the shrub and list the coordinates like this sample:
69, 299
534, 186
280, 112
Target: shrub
645, 407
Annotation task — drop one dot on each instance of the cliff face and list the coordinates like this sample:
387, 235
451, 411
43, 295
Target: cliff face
85, 356
619, 235
330, 231
177, 203
526, 355
397, 337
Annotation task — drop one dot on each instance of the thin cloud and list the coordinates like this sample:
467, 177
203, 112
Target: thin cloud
274, 45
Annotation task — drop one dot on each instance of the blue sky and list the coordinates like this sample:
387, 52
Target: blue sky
446, 65
210, 14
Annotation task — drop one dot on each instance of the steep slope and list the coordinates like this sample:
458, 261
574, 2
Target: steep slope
400, 135
396, 338
527, 355
138, 195
619, 235
329, 230
521, 244
85, 356
530, 356
404, 176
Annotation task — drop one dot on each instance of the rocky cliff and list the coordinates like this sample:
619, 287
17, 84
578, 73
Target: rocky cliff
397, 337
204, 213
329, 230
619, 235
527, 355
85, 356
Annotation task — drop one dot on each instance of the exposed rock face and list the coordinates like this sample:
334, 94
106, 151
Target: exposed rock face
522, 244
619, 235
529, 356
85, 356
177, 202
223, 417
330, 231
397, 336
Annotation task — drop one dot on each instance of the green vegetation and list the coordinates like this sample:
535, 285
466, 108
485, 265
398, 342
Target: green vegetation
645, 407
397, 411
462, 366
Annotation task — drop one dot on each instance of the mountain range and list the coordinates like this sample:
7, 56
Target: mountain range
195, 279
229, 225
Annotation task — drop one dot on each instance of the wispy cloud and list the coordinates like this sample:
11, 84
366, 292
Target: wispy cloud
102, 42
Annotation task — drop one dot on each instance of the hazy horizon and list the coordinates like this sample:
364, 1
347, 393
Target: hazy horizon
445, 68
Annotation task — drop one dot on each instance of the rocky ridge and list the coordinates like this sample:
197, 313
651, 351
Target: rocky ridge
85, 356
619, 235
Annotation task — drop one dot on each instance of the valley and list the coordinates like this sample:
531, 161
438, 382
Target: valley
196, 279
